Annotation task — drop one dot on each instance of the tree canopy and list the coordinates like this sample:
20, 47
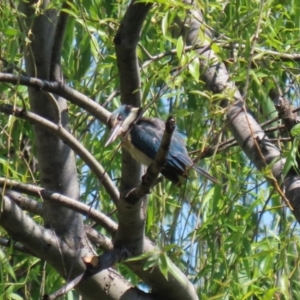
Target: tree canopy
90, 220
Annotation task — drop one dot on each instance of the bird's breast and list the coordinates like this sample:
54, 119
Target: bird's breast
135, 152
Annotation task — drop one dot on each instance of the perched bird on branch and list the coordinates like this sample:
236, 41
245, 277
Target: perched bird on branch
141, 138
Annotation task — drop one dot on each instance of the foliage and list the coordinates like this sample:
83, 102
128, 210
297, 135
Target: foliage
233, 241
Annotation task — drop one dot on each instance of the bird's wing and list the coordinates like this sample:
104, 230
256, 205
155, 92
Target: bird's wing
146, 135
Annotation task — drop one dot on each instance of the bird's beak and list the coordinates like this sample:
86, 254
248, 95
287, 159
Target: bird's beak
123, 126
113, 134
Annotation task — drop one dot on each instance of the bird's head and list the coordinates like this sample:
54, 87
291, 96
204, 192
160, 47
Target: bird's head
121, 120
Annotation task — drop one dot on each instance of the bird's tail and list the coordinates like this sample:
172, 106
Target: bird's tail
204, 173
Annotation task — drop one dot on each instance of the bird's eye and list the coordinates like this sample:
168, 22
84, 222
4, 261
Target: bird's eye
119, 117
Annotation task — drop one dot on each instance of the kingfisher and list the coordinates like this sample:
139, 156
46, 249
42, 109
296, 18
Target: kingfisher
142, 136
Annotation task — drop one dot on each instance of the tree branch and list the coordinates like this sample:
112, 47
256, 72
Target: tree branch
65, 201
93, 266
154, 169
126, 40
56, 162
133, 216
35, 207
55, 71
98, 239
246, 131
17, 246
59, 89
67, 138
243, 126
46, 245
284, 109
23, 202
262, 52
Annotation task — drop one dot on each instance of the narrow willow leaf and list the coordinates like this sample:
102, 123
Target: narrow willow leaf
179, 48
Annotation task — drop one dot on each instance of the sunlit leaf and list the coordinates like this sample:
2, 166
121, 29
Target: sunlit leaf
179, 47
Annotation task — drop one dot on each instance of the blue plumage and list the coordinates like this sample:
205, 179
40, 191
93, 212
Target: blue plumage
143, 141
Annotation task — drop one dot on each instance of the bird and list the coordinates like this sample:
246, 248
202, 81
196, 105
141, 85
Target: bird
141, 137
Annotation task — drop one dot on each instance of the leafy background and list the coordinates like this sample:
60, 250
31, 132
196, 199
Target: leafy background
235, 240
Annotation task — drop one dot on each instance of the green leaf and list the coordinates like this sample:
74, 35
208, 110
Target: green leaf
11, 31
6, 265
179, 48
194, 68
285, 286
269, 295
291, 158
174, 271
164, 24
163, 265
295, 131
